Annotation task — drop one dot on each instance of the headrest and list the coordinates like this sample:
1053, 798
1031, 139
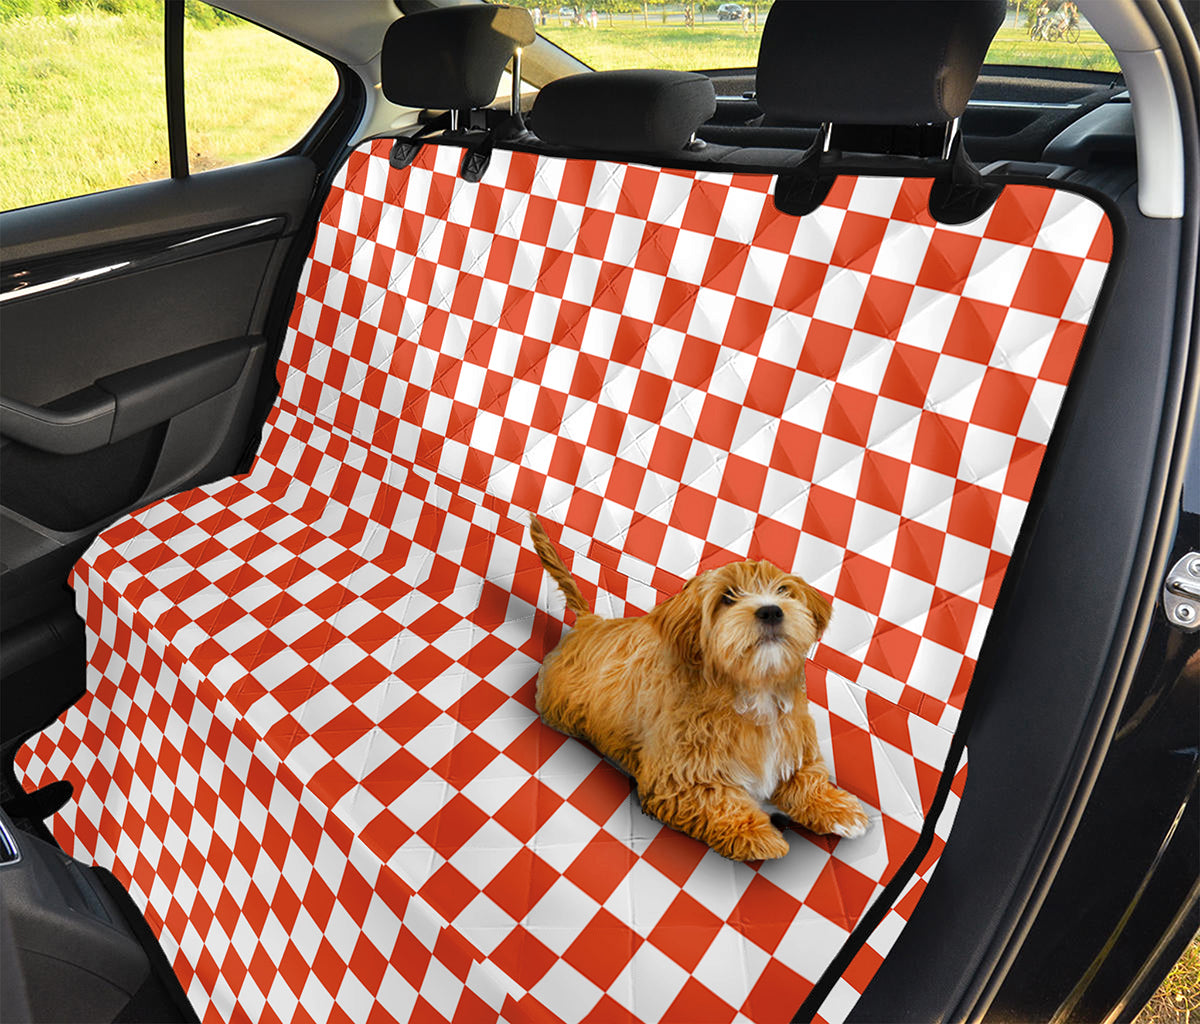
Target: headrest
878, 62
630, 111
451, 58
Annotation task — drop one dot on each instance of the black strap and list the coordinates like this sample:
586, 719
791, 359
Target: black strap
800, 190
476, 159
406, 148
960, 194
41, 803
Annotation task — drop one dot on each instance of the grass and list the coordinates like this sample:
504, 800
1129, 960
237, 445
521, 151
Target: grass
254, 94
1177, 1000
711, 44
632, 45
82, 106
1013, 46
68, 128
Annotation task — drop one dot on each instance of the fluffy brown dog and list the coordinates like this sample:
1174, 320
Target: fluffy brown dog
702, 701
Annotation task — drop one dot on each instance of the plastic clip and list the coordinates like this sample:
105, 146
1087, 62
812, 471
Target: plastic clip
476, 160
403, 153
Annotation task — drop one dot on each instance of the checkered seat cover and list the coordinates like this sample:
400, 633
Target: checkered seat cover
309, 747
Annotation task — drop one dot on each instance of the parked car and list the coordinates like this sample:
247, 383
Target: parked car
271, 432
730, 12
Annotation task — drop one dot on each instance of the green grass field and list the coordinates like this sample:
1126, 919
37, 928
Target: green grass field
1013, 46
82, 107
630, 44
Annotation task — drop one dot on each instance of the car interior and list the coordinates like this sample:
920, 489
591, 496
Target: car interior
918, 328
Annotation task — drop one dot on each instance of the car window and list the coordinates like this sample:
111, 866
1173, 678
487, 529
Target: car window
1050, 33
83, 107
681, 36
249, 93
710, 35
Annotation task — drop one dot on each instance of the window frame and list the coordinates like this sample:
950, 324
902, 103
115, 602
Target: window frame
173, 19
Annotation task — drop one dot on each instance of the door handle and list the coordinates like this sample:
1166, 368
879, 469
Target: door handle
122, 404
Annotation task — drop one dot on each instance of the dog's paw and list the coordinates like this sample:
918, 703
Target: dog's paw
851, 830
832, 812
849, 820
763, 842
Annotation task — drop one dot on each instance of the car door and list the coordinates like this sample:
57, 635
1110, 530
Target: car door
137, 321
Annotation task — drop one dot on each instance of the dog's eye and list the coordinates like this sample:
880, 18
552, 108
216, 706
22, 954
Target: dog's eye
728, 597
782, 589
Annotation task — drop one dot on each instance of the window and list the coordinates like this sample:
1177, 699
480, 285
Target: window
248, 92
1050, 33
707, 34
83, 107
682, 36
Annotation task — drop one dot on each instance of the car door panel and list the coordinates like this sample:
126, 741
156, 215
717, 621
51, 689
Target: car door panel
195, 203
207, 279
119, 405
133, 352
172, 422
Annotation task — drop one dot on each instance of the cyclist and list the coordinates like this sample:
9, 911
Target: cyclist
1069, 13
1043, 18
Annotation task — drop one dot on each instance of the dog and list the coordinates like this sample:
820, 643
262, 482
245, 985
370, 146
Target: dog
702, 702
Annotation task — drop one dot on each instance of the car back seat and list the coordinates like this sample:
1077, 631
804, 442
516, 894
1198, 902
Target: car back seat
309, 746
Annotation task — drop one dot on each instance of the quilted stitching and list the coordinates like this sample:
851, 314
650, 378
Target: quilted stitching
309, 745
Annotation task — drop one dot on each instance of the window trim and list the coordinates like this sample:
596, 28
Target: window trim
173, 18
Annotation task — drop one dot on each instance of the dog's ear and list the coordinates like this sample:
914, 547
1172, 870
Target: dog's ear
820, 609
679, 621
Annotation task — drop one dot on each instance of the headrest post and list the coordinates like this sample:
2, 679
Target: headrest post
514, 106
453, 119
948, 141
826, 134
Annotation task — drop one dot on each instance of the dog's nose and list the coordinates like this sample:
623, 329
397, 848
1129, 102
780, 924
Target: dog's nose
769, 613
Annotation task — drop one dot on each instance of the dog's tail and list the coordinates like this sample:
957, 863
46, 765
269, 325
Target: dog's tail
554, 566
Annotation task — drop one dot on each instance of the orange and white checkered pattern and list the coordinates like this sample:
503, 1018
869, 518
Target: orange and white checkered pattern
309, 746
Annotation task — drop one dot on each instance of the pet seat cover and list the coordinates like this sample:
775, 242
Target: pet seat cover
309, 746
